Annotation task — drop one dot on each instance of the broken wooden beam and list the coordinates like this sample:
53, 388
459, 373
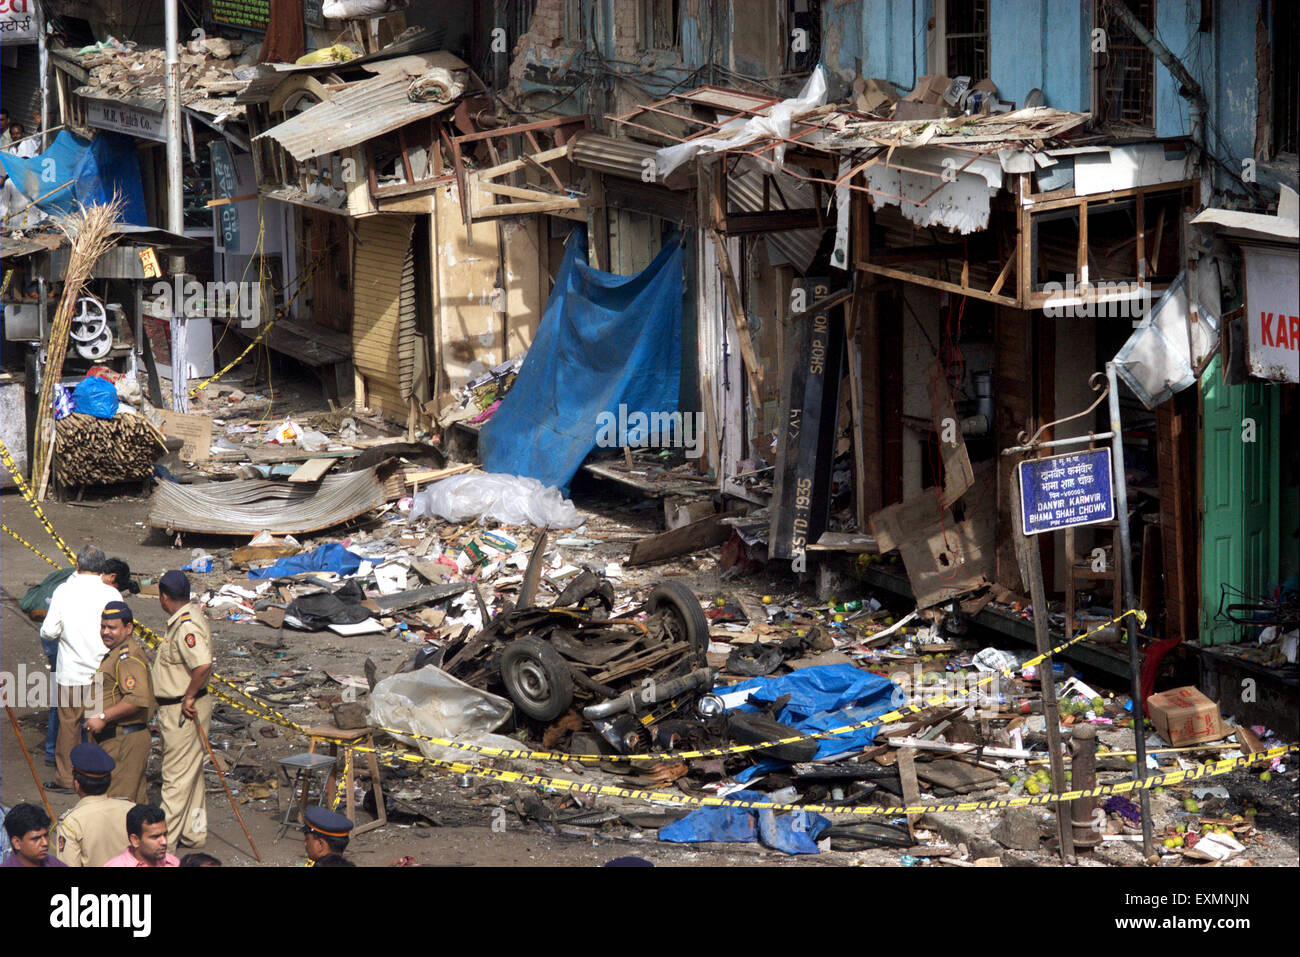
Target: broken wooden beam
705, 533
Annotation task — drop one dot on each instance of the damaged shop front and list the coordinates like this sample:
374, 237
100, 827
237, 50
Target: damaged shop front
419, 298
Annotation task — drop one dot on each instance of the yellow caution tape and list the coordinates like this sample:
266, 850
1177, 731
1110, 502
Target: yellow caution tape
279, 313
30, 499
239, 358
888, 718
1209, 769
30, 546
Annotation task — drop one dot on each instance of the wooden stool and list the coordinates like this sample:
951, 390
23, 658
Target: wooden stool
363, 737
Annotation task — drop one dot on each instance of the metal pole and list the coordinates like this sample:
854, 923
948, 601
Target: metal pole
1031, 562
175, 195
43, 54
1130, 626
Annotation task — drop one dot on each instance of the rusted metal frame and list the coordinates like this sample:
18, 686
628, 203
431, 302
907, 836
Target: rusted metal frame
521, 128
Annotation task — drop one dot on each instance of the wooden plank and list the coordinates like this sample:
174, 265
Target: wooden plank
911, 790
492, 172
953, 287
420, 476
313, 470
752, 365
705, 533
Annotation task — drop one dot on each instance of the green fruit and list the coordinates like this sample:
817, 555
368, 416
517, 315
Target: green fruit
1191, 806
1266, 777
1098, 704
1250, 812
1032, 787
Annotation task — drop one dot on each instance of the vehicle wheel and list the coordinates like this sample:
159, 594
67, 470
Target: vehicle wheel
536, 678
685, 619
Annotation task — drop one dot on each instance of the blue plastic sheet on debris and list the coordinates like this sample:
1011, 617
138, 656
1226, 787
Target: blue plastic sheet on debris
821, 698
605, 341
793, 833
95, 396
92, 169
328, 558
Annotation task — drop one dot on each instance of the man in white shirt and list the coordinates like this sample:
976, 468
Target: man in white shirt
20, 144
74, 619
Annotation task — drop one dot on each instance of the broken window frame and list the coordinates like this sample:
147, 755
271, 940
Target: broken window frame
650, 34
407, 139
946, 37
1104, 67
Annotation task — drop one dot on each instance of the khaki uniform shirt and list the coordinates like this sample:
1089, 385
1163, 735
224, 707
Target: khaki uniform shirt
186, 645
126, 678
92, 832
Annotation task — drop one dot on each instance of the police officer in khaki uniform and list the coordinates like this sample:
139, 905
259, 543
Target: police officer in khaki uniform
122, 727
94, 830
180, 677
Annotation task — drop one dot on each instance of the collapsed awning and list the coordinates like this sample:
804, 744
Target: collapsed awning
364, 110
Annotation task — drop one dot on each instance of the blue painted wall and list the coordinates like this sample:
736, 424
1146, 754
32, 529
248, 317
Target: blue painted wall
1046, 44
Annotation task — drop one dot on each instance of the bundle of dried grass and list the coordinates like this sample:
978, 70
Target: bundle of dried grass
90, 231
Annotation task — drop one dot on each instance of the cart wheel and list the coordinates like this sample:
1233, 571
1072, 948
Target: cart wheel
685, 619
536, 678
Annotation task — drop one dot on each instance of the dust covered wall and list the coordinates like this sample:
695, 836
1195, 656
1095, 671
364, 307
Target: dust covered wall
472, 335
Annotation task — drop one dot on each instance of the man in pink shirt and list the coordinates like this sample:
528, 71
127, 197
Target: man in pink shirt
146, 829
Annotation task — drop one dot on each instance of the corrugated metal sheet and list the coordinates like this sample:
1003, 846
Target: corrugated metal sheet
406, 331
248, 507
625, 158
745, 193
361, 112
377, 326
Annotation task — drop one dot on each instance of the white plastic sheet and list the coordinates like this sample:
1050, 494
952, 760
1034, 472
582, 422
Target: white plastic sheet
741, 131
431, 702
509, 499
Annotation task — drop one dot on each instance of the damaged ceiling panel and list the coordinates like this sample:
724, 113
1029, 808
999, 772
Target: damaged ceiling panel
932, 188
249, 507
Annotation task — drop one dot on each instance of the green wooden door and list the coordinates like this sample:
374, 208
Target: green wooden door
1240, 455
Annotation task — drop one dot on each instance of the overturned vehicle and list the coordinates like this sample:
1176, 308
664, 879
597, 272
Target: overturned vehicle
625, 672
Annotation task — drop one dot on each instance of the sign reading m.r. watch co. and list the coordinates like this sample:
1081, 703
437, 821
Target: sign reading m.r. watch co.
19, 22
106, 115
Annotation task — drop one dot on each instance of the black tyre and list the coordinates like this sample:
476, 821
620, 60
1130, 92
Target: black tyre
536, 678
685, 618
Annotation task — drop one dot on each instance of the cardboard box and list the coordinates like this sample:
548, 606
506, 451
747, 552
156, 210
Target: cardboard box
1185, 716
929, 89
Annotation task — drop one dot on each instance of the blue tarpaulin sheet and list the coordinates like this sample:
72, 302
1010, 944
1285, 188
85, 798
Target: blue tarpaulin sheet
328, 558
92, 170
794, 833
605, 341
821, 698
